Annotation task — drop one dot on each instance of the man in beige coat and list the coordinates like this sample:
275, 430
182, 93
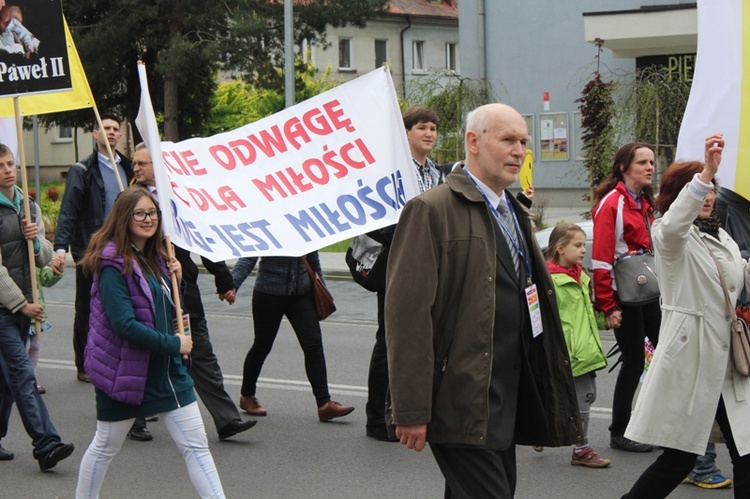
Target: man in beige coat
469, 373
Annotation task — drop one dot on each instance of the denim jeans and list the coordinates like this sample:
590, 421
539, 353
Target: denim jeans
18, 384
705, 465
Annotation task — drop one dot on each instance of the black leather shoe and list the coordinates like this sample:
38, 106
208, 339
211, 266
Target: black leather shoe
5, 455
140, 434
235, 427
380, 433
622, 442
49, 459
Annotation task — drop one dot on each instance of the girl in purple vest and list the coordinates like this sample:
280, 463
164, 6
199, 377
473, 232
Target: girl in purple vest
133, 356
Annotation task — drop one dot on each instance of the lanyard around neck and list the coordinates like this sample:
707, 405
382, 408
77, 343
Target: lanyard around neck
500, 222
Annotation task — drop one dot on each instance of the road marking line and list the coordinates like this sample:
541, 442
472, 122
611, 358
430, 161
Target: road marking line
290, 384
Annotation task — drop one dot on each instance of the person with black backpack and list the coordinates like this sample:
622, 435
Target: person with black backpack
421, 124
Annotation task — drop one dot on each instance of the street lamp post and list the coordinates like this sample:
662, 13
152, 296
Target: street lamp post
289, 52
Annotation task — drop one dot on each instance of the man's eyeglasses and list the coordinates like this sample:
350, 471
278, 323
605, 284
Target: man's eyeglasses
140, 216
140, 164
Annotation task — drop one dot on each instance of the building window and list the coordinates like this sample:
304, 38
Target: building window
345, 53
64, 134
554, 143
418, 55
578, 130
451, 57
381, 53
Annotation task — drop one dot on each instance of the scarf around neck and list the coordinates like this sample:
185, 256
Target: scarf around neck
710, 225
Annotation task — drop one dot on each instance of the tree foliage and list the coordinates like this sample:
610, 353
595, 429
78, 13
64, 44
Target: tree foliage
451, 97
654, 102
597, 108
184, 44
236, 103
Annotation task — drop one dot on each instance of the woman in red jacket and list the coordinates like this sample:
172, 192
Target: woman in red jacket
622, 220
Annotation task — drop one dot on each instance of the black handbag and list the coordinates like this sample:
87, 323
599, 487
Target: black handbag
367, 260
635, 277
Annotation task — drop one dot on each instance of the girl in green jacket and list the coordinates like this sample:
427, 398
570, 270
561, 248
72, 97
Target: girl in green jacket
572, 287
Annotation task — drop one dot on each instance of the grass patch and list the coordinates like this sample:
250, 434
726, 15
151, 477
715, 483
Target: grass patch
339, 247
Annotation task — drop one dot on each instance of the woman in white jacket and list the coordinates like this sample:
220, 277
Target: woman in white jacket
692, 380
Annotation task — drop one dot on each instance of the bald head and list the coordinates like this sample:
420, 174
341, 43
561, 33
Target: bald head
143, 168
496, 137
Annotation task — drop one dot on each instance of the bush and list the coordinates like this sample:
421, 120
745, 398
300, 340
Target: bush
51, 199
50, 212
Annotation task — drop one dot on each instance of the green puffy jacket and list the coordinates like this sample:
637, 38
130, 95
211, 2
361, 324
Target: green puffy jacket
580, 324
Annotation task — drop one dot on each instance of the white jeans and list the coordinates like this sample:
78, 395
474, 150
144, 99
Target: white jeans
184, 424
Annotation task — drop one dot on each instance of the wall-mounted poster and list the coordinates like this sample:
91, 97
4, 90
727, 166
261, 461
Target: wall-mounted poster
33, 51
554, 140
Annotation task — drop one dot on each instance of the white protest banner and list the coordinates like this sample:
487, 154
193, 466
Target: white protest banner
33, 48
328, 169
720, 94
8, 135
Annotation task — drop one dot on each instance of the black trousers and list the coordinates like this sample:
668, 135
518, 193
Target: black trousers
476, 473
205, 369
671, 468
377, 379
637, 324
81, 319
268, 310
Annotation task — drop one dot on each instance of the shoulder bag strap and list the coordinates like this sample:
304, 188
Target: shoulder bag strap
310, 271
732, 311
648, 229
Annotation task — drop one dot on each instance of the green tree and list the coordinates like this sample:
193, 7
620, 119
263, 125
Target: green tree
236, 103
597, 108
451, 97
653, 103
184, 44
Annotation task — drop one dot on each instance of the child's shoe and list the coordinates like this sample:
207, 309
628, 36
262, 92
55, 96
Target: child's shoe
587, 457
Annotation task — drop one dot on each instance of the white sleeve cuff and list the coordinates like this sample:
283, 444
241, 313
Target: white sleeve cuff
698, 189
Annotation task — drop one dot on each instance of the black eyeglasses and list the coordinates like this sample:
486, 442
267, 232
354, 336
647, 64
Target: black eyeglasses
140, 215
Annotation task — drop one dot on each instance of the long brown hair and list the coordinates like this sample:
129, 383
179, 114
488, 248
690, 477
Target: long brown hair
623, 158
674, 180
116, 228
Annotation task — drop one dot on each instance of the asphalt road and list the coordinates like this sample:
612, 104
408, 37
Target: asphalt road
289, 454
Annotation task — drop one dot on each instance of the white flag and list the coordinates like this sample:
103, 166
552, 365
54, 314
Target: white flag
720, 94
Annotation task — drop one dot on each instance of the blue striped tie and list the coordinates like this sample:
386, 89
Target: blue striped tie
511, 237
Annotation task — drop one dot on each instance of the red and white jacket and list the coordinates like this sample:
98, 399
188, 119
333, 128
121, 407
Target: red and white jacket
619, 227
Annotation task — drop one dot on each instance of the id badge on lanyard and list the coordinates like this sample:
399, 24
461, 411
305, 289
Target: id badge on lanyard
535, 311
